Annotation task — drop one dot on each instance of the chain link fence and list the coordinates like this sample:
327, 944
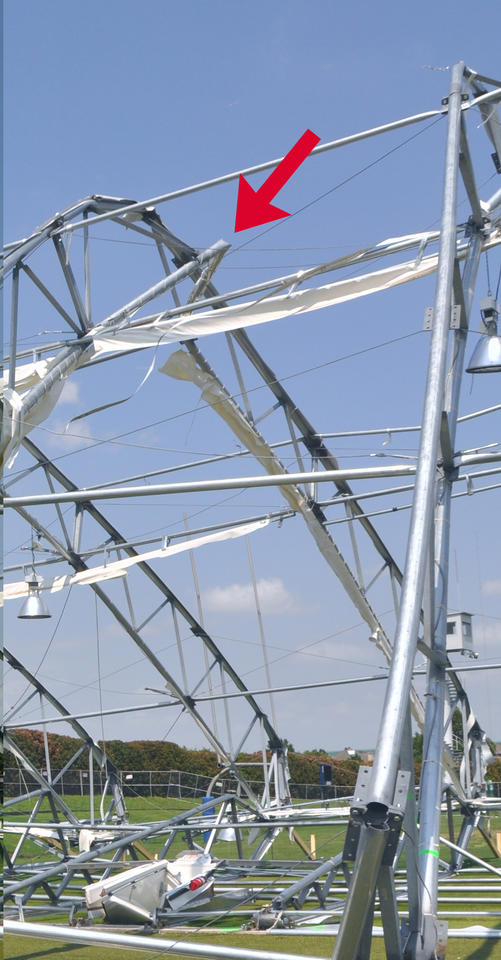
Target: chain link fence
170, 783
157, 783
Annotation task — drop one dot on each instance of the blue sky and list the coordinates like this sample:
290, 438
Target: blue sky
134, 100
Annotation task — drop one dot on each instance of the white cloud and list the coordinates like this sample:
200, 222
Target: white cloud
491, 588
70, 392
273, 595
63, 439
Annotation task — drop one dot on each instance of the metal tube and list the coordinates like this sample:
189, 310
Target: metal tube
195, 486
288, 893
56, 869
428, 264
91, 788
360, 899
208, 673
377, 252
494, 201
67, 360
157, 944
151, 574
466, 167
475, 76
72, 285
45, 740
13, 327
88, 308
21, 248
240, 693
390, 734
430, 795
409, 827
471, 856
466, 458
262, 634
273, 516
217, 250
257, 168
384, 771
232, 483
57, 306
299, 277
85, 554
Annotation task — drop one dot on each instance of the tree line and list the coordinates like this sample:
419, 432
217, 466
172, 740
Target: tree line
166, 755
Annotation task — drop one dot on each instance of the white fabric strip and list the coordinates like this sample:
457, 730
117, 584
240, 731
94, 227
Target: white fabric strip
262, 311
118, 568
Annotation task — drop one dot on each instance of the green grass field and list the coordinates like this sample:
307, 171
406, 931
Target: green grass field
22, 948
329, 840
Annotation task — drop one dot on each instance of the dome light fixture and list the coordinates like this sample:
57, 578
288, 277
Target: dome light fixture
34, 607
486, 357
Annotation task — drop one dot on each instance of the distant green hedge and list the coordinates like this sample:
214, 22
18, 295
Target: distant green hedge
162, 755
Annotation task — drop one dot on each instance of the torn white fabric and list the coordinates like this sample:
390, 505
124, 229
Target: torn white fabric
119, 568
27, 374
265, 310
14, 426
164, 330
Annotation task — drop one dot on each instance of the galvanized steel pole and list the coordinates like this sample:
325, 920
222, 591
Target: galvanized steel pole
157, 944
432, 774
197, 486
390, 734
397, 696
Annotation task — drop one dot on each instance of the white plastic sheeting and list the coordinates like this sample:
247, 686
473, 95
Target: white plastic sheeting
164, 330
264, 310
119, 568
175, 329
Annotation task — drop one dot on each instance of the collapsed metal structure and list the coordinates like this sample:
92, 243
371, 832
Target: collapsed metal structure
383, 809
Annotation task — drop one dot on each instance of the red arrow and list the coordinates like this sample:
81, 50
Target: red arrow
253, 206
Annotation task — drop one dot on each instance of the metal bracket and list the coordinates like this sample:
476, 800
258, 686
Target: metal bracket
432, 941
445, 444
464, 97
454, 323
358, 811
361, 795
428, 318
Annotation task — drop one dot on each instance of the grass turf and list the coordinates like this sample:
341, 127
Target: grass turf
329, 840
23, 948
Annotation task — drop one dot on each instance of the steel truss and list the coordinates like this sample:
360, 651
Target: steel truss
379, 811
277, 775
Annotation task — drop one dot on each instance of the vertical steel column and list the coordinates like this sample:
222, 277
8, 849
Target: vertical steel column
390, 734
88, 302
392, 726
432, 773
13, 328
360, 899
410, 829
45, 740
262, 634
91, 788
201, 621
